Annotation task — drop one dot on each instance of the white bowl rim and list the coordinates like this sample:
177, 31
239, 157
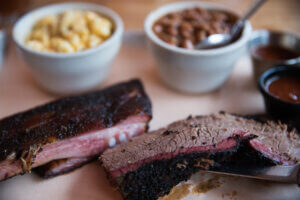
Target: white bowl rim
119, 28
148, 23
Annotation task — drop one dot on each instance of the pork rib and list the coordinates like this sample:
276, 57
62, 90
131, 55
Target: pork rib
58, 167
73, 127
148, 166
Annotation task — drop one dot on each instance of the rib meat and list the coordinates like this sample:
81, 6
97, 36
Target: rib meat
75, 128
62, 166
148, 166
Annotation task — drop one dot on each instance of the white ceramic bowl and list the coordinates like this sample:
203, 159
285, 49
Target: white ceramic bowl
67, 73
193, 71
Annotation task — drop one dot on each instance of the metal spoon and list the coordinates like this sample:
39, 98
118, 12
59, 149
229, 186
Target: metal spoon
3, 46
217, 40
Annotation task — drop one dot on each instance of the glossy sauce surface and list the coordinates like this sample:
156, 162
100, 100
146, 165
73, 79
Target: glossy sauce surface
285, 88
275, 53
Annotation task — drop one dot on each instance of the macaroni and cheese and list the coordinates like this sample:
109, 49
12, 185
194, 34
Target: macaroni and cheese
69, 31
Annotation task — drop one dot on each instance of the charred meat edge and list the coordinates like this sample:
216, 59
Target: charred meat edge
131, 175
23, 135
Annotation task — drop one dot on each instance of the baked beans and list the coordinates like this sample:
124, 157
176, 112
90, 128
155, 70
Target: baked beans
188, 27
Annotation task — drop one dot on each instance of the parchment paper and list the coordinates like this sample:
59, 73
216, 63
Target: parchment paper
18, 92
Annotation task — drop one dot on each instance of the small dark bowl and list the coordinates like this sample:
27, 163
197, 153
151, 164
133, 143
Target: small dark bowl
277, 108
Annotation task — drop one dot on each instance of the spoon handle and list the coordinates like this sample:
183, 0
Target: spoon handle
252, 10
240, 24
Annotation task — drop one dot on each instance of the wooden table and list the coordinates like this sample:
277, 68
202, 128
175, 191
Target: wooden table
18, 91
275, 14
238, 95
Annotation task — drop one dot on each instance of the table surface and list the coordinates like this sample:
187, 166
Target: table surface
18, 91
239, 95
275, 14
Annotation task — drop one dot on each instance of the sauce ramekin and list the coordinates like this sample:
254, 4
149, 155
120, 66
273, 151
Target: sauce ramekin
277, 108
276, 38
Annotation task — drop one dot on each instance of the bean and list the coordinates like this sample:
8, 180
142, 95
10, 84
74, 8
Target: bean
165, 21
173, 41
171, 30
216, 27
173, 16
187, 43
200, 35
185, 34
158, 28
185, 26
204, 26
175, 22
200, 10
192, 15
219, 16
169, 39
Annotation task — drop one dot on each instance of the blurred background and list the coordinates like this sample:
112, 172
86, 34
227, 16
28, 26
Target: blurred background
275, 14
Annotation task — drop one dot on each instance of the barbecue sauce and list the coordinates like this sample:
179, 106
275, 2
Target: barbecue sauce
275, 53
285, 88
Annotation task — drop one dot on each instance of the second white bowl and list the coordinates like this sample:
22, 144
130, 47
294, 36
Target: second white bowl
193, 71
68, 73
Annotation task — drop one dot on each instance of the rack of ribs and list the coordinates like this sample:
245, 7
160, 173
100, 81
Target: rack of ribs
65, 134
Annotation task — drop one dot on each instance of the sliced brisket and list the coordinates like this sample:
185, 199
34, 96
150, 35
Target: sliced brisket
274, 141
75, 128
148, 166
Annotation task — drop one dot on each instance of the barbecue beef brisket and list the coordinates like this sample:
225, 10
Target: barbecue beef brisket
73, 130
148, 166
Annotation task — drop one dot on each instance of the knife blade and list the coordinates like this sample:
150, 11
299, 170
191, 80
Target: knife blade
278, 173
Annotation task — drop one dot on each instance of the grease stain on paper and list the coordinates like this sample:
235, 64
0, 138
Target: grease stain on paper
178, 192
231, 196
208, 185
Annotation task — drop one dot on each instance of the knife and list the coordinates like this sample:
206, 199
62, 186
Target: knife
278, 173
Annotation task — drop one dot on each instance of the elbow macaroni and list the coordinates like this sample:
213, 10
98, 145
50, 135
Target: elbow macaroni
69, 31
